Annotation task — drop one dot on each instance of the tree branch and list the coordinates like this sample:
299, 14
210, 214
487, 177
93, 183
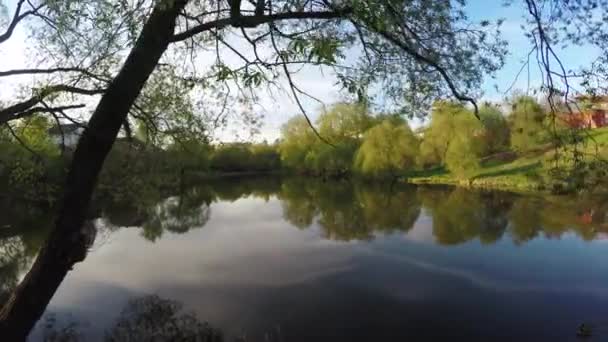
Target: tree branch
255, 20
15, 72
24, 108
17, 17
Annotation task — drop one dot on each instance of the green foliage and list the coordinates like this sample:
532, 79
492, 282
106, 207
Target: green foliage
265, 157
343, 125
297, 137
133, 174
497, 134
344, 122
439, 133
388, 149
323, 159
454, 138
245, 158
231, 157
33, 132
191, 154
33, 171
462, 157
528, 123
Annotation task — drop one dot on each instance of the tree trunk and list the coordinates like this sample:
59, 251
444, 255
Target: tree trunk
67, 243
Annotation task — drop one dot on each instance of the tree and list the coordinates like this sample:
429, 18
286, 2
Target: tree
344, 122
454, 138
462, 157
297, 138
447, 120
528, 124
94, 48
331, 160
388, 149
497, 134
231, 157
33, 132
332, 152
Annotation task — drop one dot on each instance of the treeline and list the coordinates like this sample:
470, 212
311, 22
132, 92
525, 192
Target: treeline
348, 140
33, 165
354, 141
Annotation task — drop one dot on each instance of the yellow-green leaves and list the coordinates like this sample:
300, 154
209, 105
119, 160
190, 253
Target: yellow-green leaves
389, 149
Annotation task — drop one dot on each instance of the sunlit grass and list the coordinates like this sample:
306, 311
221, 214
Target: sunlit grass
525, 171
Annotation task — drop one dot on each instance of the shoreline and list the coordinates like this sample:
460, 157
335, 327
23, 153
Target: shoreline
483, 184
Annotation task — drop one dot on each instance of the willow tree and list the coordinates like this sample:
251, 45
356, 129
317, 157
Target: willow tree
437, 137
530, 125
389, 149
185, 63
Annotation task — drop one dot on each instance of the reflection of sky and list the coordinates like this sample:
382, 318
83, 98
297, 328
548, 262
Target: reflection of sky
248, 269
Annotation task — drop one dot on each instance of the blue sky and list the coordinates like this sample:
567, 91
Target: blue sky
519, 46
278, 109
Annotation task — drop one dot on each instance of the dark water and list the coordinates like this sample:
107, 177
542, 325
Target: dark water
301, 260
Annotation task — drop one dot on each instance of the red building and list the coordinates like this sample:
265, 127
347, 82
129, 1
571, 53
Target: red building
592, 113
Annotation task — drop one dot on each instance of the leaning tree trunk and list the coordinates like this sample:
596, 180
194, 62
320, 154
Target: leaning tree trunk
67, 242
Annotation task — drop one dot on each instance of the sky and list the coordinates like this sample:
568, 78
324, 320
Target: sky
279, 108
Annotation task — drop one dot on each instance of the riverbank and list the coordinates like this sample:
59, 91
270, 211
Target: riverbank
528, 172
518, 176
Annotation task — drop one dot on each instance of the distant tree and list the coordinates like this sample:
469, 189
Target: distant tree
297, 139
388, 149
462, 157
344, 122
341, 129
448, 120
331, 160
231, 157
189, 154
33, 132
466, 147
497, 134
265, 157
528, 124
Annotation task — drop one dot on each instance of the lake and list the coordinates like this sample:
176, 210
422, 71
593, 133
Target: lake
263, 259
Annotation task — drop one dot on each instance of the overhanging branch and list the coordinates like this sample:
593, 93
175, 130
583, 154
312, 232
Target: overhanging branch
27, 107
256, 20
17, 17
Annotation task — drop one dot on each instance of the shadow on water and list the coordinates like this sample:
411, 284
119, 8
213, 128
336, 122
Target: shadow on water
147, 318
343, 211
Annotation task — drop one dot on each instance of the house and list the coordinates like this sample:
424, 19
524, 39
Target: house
588, 112
66, 135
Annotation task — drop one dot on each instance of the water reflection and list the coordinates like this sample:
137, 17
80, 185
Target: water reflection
358, 211
22, 233
249, 253
147, 318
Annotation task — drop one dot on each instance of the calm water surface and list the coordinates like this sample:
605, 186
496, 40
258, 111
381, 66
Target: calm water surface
298, 260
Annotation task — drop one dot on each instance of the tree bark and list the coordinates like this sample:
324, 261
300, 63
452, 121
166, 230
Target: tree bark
67, 243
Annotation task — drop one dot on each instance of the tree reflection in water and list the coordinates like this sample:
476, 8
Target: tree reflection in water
341, 210
148, 318
349, 211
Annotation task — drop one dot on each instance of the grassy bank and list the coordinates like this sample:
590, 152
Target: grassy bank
525, 172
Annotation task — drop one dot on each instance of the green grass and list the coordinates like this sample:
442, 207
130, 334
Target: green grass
526, 172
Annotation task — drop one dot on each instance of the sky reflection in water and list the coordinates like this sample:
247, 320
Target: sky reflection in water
341, 262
